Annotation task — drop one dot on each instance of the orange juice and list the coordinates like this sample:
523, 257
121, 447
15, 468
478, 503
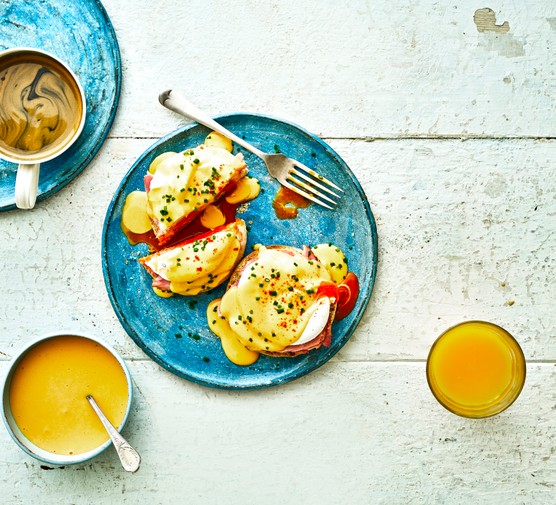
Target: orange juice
48, 390
476, 369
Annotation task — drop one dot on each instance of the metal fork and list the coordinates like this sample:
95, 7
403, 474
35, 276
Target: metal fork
290, 173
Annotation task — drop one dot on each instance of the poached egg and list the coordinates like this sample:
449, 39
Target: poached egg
279, 300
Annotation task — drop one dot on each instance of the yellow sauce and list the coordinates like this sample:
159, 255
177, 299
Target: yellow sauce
215, 139
134, 214
212, 217
200, 265
162, 292
48, 390
159, 159
187, 182
333, 260
247, 189
274, 299
234, 350
476, 369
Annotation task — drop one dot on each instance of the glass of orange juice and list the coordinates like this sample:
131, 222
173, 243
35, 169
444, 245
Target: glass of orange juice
476, 369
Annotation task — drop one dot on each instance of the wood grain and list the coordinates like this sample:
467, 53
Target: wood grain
465, 232
446, 116
349, 433
343, 68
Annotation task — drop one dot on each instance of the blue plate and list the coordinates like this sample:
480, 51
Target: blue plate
79, 32
174, 331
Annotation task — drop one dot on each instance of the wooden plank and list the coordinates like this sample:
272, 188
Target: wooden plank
466, 231
344, 68
348, 433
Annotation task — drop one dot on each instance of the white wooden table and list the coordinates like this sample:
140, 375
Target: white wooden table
447, 119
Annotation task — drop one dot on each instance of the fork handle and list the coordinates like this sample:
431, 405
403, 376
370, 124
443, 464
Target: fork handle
174, 101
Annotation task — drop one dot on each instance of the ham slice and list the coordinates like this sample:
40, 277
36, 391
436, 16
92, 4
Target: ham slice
147, 181
161, 283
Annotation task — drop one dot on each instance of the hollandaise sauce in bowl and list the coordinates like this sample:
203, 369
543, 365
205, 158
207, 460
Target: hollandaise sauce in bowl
44, 405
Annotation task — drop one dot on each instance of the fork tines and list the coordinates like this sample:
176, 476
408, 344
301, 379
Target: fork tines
307, 183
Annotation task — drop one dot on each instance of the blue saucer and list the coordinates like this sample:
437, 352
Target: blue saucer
78, 32
174, 331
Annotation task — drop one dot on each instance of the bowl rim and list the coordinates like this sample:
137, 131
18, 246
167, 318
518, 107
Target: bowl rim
9, 422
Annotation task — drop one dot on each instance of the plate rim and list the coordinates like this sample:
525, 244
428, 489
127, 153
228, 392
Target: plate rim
274, 382
115, 51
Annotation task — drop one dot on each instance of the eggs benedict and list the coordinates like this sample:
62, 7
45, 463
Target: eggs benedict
197, 264
180, 186
280, 301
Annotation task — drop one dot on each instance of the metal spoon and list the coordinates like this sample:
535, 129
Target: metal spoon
128, 455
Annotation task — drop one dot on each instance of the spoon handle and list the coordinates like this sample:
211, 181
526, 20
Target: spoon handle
128, 455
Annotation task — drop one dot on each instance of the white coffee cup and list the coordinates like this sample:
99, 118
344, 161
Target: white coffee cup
36, 127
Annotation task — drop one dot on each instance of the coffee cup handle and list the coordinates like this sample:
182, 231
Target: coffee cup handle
26, 185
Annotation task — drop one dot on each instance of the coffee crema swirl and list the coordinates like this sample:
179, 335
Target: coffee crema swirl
40, 109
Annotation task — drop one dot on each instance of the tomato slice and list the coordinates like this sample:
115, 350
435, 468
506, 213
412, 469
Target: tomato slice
328, 289
348, 292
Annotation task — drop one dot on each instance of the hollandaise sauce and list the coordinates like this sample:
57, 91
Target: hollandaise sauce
279, 300
183, 184
48, 390
246, 189
212, 217
287, 202
135, 221
274, 298
476, 369
234, 350
200, 264
333, 259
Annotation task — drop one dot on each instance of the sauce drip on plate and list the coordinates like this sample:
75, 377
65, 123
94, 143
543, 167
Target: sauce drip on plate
286, 202
234, 350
